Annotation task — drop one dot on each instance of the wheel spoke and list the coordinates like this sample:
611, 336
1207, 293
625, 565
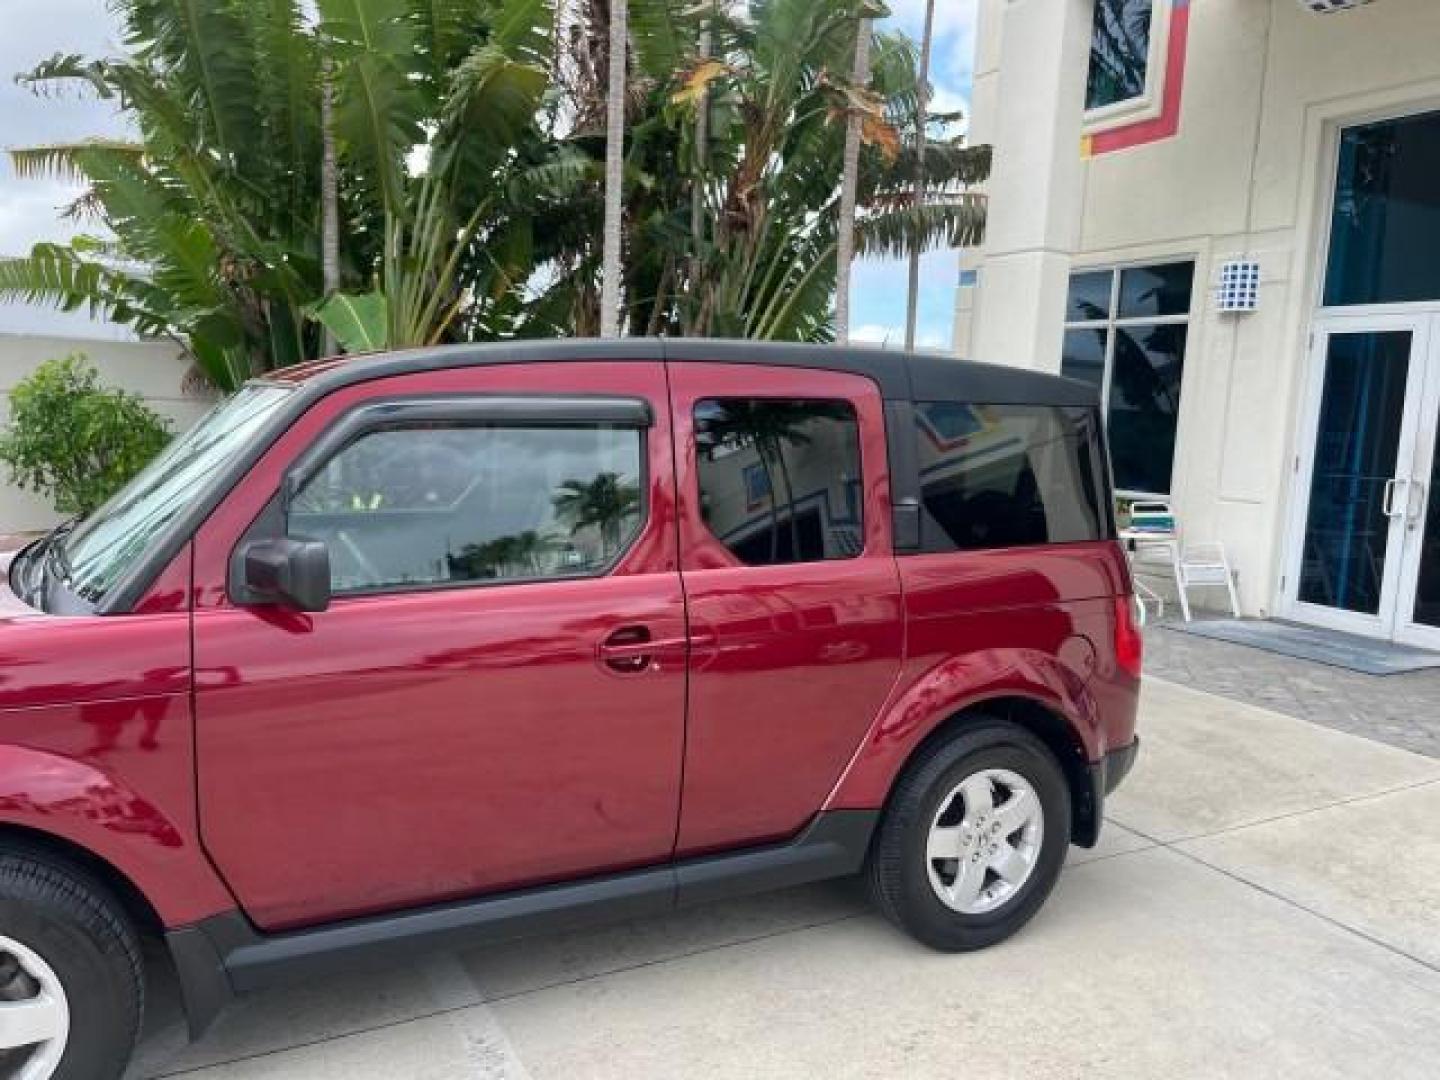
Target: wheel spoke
1015, 812
1009, 864
25, 1023
966, 886
979, 793
944, 843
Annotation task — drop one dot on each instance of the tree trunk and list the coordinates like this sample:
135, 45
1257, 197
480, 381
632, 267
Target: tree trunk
789, 502
912, 302
697, 190
845, 242
610, 321
329, 197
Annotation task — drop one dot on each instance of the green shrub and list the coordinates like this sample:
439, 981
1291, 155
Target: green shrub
75, 441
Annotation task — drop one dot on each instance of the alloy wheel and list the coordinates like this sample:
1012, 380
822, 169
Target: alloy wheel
34, 1014
984, 841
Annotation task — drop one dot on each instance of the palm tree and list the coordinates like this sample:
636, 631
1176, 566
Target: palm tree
218, 211
763, 261
603, 503
769, 427
849, 184
614, 170
922, 123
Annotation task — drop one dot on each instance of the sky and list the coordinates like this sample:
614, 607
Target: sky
31, 30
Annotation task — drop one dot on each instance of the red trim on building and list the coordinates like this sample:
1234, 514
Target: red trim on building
1168, 122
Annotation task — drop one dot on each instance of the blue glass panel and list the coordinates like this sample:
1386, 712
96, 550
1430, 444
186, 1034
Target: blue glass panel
1385, 229
1119, 52
1084, 356
1427, 590
1361, 410
1145, 405
1088, 299
1151, 291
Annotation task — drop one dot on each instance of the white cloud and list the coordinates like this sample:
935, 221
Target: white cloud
876, 334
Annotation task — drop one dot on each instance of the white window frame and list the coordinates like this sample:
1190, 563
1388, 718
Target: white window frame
1150, 104
1112, 323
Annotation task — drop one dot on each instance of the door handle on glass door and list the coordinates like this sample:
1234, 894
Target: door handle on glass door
1387, 498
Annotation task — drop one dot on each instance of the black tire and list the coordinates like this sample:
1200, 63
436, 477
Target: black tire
69, 919
897, 869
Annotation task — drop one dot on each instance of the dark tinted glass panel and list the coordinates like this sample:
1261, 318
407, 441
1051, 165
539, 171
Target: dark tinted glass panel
1150, 291
1084, 356
1361, 410
780, 479
1385, 228
1005, 475
1144, 404
1089, 296
1119, 52
418, 507
1427, 591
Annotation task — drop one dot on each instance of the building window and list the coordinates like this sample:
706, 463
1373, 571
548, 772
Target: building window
780, 479
1120, 55
997, 476
1125, 334
422, 507
1385, 225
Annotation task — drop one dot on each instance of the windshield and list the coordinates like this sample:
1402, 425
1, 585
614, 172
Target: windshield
107, 543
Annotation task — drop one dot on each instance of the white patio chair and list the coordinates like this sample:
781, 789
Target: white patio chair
1155, 543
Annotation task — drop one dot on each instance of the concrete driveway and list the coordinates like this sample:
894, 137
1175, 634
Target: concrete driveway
1265, 902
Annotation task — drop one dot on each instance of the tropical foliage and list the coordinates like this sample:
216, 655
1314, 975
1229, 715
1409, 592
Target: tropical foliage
74, 441
468, 138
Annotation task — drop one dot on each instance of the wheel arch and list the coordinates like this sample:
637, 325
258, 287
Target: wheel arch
1050, 727
50, 847
1034, 690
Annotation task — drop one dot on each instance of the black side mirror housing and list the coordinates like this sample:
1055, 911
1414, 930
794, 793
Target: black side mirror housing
286, 571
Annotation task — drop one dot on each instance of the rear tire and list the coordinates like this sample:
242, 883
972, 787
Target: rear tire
973, 838
70, 958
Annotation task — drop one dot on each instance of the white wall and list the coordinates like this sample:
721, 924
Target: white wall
1267, 86
153, 370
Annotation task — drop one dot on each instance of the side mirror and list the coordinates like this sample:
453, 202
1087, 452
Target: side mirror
287, 571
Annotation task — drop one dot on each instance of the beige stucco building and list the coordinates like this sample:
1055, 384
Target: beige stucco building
1146, 147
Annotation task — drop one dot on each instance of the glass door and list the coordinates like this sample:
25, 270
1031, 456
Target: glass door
1361, 561
1418, 615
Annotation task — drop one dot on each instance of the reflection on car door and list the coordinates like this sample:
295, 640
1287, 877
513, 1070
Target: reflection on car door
495, 697
793, 592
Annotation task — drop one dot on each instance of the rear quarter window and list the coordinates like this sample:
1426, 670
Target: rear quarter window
996, 476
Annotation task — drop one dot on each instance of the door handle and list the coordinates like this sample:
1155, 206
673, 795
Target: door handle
631, 649
1387, 498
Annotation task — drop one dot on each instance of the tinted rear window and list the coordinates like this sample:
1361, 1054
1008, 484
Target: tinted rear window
996, 476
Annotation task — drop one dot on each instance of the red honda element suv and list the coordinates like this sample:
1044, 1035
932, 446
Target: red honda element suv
421, 650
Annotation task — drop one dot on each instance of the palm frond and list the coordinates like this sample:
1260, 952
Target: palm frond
957, 222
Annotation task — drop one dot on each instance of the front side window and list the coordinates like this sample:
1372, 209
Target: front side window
1126, 335
110, 541
780, 479
436, 505
1119, 52
997, 476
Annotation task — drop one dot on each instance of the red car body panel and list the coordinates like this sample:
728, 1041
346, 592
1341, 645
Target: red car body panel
416, 747
1033, 623
98, 750
399, 750
790, 664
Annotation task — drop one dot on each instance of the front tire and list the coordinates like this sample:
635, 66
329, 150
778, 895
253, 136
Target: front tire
973, 839
71, 983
